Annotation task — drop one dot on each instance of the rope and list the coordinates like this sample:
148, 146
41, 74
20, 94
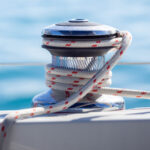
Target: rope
11, 118
82, 43
71, 81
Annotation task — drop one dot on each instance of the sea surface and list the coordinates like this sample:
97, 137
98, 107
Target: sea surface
21, 23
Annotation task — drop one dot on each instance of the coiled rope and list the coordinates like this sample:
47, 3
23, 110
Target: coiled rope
88, 86
71, 81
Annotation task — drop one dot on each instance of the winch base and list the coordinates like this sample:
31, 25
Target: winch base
104, 101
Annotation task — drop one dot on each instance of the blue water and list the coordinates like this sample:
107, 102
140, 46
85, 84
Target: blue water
21, 23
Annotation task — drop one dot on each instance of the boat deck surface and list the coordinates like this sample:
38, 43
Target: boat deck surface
105, 130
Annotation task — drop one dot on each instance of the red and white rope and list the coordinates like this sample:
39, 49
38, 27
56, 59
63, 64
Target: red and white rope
124, 92
10, 119
73, 81
82, 43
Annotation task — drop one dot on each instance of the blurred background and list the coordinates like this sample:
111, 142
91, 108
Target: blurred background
21, 23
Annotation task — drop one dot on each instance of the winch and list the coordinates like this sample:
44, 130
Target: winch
78, 48
78, 76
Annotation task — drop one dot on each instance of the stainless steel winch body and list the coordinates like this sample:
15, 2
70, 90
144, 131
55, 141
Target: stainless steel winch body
78, 46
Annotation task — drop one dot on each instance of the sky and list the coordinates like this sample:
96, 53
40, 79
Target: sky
21, 23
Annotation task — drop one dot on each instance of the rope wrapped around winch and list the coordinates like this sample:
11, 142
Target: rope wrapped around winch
91, 82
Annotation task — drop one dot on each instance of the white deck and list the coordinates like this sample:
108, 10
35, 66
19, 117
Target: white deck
117, 130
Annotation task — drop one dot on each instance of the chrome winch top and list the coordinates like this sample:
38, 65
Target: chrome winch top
79, 27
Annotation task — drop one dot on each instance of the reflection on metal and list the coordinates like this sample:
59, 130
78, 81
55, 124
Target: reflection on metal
43, 64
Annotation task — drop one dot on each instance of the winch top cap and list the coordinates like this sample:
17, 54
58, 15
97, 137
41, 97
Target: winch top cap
78, 27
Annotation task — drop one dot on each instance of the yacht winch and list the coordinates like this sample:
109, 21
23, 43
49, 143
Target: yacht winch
78, 49
78, 76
